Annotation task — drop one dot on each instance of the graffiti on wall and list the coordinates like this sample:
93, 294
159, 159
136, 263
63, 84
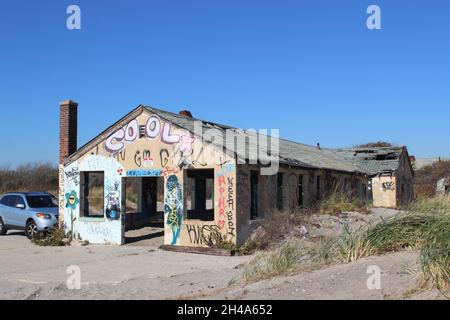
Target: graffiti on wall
173, 206
164, 157
61, 193
221, 202
145, 173
72, 202
99, 229
143, 158
169, 171
131, 132
203, 234
186, 144
113, 200
390, 185
230, 202
73, 175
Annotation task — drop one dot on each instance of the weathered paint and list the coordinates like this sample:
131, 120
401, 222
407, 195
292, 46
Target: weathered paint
164, 150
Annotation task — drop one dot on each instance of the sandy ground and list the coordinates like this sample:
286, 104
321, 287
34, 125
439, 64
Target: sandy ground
341, 282
139, 270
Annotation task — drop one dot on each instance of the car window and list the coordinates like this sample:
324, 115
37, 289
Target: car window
5, 200
44, 201
15, 200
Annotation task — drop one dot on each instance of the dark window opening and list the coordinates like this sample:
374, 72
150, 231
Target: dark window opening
254, 195
92, 199
300, 191
280, 191
318, 195
200, 194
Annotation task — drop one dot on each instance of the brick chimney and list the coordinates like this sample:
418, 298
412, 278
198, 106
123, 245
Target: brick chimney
68, 121
186, 113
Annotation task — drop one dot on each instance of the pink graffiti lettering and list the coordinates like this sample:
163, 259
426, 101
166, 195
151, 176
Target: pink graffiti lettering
153, 127
186, 144
114, 143
167, 137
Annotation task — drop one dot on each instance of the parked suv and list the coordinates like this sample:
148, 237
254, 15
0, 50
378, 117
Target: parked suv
33, 212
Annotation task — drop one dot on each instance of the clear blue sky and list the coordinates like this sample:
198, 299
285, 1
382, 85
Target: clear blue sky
310, 68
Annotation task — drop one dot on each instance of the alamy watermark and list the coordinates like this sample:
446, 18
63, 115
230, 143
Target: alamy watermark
374, 20
74, 279
374, 280
73, 21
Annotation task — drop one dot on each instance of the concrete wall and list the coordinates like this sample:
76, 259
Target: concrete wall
384, 191
268, 190
163, 151
395, 189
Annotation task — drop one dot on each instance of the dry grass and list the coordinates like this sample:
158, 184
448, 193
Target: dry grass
425, 226
53, 238
339, 201
281, 260
427, 178
30, 177
278, 227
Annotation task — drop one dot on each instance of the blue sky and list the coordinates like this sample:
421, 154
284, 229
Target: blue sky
310, 68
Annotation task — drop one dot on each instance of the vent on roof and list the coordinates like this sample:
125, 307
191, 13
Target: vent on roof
142, 132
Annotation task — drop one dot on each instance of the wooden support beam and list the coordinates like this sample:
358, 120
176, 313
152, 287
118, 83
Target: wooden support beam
199, 250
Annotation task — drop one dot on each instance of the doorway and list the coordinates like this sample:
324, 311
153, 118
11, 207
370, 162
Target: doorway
144, 216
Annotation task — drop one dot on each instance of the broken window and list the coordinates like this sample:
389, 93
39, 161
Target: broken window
200, 194
92, 194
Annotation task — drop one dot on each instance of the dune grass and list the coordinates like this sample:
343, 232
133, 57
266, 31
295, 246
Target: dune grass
424, 226
338, 201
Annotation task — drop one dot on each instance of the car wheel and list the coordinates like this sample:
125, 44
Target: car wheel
3, 229
31, 229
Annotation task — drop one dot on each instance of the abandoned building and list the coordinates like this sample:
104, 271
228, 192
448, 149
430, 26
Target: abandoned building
152, 167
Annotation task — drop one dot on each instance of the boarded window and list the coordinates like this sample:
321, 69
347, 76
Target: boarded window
200, 194
92, 194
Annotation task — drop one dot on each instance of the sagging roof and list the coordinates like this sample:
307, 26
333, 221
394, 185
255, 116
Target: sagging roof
290, 152
373, 160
